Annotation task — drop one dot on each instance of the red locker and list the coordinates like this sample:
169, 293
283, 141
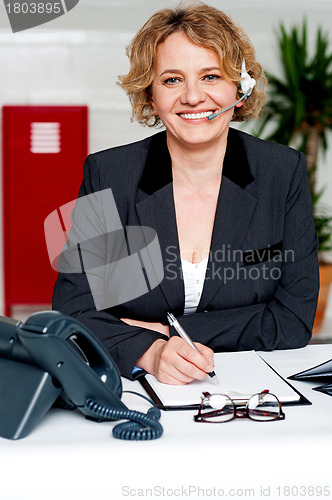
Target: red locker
44, 148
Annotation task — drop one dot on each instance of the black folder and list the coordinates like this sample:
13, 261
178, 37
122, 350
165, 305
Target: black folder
321, 372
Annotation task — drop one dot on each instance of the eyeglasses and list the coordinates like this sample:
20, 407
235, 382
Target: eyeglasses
261, 407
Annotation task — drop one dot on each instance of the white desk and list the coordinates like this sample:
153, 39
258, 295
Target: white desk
68, 457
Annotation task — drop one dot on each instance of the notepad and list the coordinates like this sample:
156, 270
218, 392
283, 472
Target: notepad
244, 372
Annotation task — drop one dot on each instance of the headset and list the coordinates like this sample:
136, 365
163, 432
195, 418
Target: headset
246, 87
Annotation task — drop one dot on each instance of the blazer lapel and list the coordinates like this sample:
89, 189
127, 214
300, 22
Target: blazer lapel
235, 207
234, 211
157, 211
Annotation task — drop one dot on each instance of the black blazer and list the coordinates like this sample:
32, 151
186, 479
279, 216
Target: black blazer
261, 284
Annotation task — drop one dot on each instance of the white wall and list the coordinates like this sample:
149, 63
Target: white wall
76, 58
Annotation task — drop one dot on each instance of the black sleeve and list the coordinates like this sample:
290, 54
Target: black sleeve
72, 296
286, 320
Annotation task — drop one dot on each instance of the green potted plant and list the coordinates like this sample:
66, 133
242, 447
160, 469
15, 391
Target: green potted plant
299, 111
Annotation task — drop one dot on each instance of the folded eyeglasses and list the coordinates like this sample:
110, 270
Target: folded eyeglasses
219, 408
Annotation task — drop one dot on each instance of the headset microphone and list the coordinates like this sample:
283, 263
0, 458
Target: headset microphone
246, 85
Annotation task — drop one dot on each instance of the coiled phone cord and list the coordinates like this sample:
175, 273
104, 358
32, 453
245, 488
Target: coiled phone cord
141, 426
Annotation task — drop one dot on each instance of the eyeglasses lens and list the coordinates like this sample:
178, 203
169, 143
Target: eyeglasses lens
217, 408
263, 407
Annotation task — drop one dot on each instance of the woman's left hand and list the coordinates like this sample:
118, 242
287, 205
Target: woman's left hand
157, 327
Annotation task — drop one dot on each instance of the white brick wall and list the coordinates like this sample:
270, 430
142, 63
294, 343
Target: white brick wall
76, 58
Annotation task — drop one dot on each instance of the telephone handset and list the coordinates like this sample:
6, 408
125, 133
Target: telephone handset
52, 355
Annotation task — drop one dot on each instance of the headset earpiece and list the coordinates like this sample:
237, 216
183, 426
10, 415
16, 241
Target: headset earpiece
246, 86
247, 83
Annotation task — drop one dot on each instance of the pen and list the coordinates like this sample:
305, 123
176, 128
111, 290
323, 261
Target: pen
184, 335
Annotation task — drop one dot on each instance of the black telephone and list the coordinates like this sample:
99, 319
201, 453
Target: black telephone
52, 356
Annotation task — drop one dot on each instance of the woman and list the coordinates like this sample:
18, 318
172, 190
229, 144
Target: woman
232, 213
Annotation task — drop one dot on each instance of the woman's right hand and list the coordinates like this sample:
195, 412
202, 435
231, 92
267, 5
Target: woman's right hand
176, 362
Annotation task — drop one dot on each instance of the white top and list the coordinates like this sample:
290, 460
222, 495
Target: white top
193, 277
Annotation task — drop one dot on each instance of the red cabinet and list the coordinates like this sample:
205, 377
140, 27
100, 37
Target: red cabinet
44, 148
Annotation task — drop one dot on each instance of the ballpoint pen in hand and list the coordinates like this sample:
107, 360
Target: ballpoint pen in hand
184, 335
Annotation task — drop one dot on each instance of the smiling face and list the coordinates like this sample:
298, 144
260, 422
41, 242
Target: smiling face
188, 87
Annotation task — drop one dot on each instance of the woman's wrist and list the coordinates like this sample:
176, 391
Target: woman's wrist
149, 361
156, 327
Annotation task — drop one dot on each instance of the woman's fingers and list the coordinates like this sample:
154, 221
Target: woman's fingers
180, 362
206, 352
176, 362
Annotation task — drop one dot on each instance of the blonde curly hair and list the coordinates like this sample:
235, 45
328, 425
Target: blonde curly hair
206, 27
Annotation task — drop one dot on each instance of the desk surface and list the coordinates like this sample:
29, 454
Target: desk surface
69, 457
